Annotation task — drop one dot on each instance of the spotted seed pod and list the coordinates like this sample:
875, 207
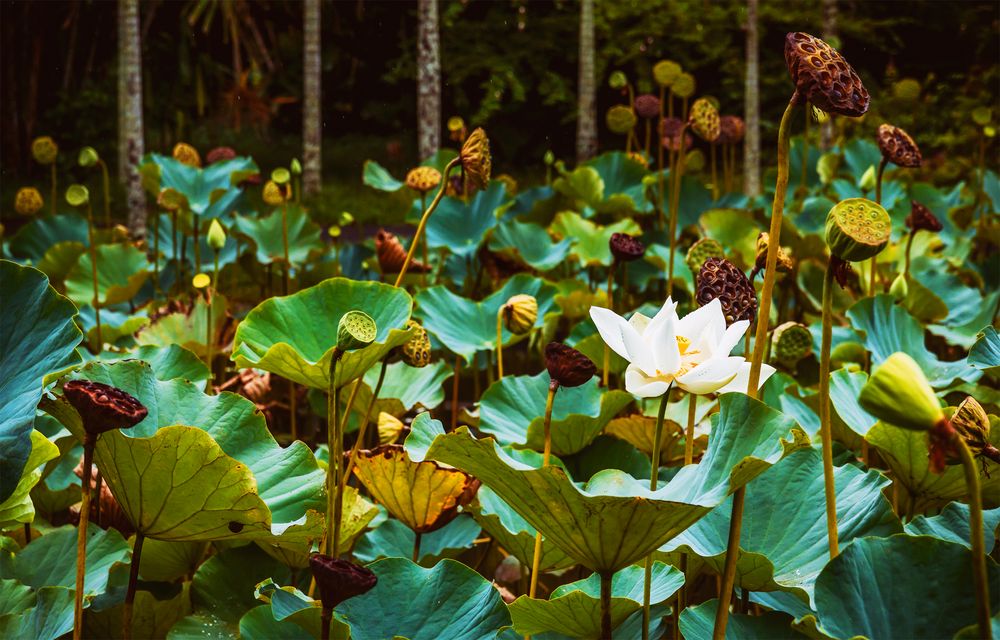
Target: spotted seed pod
520, 313
702, 250
647, 106
857, 229
28, 201
339, 580
423, 179
704, 119
44, 150
683, 86
732, 129
276, 194
822, 77
416, 351
665, 72
103, 407
186, 154
973, 426
922, 219
476, 159
898, 147
792, 342
567, 367
670, 134
721, 279
355, 330
391, 254
626, 248
784, 263
620, 119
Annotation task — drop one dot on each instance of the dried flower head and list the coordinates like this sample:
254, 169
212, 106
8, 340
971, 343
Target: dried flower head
416, 351
784, 262
391, 254
647, 106
423, 179
731, 129
186, 154
822, 77
28, 201
922, 219
620, 119
339, 580
44, 150
857, 229
103, 407
704, 119
898, 147
973, 425
670, 132
476, 160
721, 279
520, 313
626, 248
220, 154
567, 367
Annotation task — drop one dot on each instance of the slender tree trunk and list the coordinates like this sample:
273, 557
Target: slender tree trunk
131, 146
428, 79
829, 31
751, 106
586, 118
312, 118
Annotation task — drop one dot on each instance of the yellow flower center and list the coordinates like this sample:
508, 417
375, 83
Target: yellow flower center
683, 344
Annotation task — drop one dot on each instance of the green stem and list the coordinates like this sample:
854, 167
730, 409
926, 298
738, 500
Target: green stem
416, 547
363, 429
715, 172
689, 432
197, 243
133, 577
156, 251
978, 543
653, 477
93, 270
611, 306
209, 333
336, 446
107, 193
537, 556
52, 200
675, 199
878, 200
81, 535
173, 248
606, 605
499, 344
805, 151
659, 162
284, 239
824, 412
423, 220
909, 246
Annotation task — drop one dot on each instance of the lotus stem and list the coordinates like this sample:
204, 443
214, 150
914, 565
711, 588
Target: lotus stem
133, 577
52, 200
173, 240
653, 477
689, 432
824, 412
649, 136
326, 617
416, 547
197, 242
978, 543
909, 246
424, 218
715, 171
93, 270
338, 504
335, 445
659, 163
760, 342
284, 240
362, 430
423, 243
805, 152
107, 192
98, 485
675, 198
537, 556
156, 250
454, 393
499, 344
27, 533
878, 200
209, 333
611, 306
606, 605
81, 535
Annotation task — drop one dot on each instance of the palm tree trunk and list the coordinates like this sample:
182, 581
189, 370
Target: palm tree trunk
312, 119
829, 31
751, 106
428, 79
586, 119
131, 145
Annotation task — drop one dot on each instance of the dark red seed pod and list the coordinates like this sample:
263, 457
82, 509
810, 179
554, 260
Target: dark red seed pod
568, 367
721, 279
822, 77
626, 248
339, 580
732, 129
647, 106
220, 154
898, 147
922, 219
103, 407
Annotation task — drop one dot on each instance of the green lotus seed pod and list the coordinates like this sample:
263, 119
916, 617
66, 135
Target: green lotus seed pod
665, 72
77, 195
295, 166
88, 157
857, 229
792, 342
520, 313
216, 235
701, 251
684, 85
621, 119
355, 330
416, 351
898, 393
549, 158
617, 80
900, 288
868, 178
281, 175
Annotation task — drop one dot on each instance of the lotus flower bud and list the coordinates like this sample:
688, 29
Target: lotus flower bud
567, 367
898, 147
201, 280
355, 330
732, 129
476, 160
704, 120
647, 106
456, 128
620, 119
103, 407
922, 219
973, 426
186, 154
617, 80
822, 77
77, 195
28, 201
171, 199
827, 167
720, 278
702, 250
868, 179
416, 351
220, 154
346, 218
898, 393
88, 157
520, 313
900, 288
339, 580
857, 229
44, 150
665, 72
295, 167
275, 194
423, 179
281, 175
792, 342
784, 262
683, 86
216, 235
389, 428
549, 158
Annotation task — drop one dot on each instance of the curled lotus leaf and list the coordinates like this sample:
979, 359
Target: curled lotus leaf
513, 533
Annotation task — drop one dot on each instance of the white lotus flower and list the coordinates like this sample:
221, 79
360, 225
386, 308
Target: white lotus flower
691, 352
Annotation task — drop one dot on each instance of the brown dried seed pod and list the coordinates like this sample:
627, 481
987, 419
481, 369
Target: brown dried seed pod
922, 219
626, 248
44, 150
416, 351
28, 201
186, 154
784, 263
103, 407
973, 426
476, 160
220, 154
339, 580
732, 129
423, 179
721, 279
704, 120
841, 270
898, 147
567, 367
647, 106
392, 255
822, 77
670, 133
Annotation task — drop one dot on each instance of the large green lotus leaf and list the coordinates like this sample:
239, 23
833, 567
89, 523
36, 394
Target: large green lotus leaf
34, 239
121, 271
513, 533
584, 185
378, 177
513, 409
985, 353
294, 336
14, 597
38, 341
783, 542
461, 227
49, 619
466, 326
614, 520
202, 625
210, 191
293, 543
18, 508
530, 243
152, 616
288, 613
117, 322
406, 387
952, 524
188, 329
60, 259
288, 480
574, 609
168, 560
623, 183
591, 246
845, 386
905, 452
901, 587
736, 230
393, 538
168, 362
224, 586
266, 234
888, 328
965, 335
699, 622
449, 600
